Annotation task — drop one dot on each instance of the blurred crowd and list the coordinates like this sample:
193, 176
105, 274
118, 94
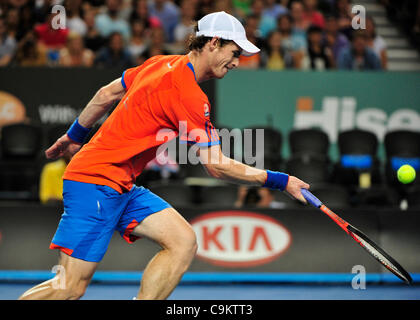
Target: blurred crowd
293, 34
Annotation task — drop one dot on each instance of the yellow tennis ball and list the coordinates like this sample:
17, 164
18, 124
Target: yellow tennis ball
406, 174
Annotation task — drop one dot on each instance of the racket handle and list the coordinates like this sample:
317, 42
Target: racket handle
311, 198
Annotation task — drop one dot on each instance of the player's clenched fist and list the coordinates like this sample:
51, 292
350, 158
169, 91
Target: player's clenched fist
284, 182
294, 187
61, 146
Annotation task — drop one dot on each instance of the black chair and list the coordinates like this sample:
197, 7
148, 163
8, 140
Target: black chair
273, 141
55, 132
231, 142
401, 147
334, 196
310, 169
358, 154
312, 142
21, 161
176, 194
20, 141
413, 198
219, 196
194, 171
272, 138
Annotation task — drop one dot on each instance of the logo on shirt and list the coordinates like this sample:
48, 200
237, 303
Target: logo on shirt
206, 110
169, 66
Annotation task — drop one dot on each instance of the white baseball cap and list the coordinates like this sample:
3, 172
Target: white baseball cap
223, 25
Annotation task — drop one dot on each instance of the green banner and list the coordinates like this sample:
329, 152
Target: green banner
333, 101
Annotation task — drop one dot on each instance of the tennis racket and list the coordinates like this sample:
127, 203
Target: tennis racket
380, 255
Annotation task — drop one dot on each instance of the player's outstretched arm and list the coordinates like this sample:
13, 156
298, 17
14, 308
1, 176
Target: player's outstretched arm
221, 167
97, 107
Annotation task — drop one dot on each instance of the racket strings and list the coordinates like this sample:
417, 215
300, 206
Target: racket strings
377, 255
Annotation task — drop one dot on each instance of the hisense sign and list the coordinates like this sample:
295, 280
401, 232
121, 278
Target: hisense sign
340, 113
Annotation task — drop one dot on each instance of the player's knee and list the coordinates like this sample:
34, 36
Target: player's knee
187, 247
75, 292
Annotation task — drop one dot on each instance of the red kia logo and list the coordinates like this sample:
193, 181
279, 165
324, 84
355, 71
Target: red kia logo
239, 238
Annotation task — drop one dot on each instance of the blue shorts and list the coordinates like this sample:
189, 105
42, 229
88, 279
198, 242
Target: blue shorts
93, 212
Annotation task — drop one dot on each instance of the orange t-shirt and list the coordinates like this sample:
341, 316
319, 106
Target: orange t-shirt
161, 94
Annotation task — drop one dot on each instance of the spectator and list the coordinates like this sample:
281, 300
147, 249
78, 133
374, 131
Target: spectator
226, 6
51, 182
273, 9
318, 56
253, 35
242, 7
256, 197
205, 7
185, 27
141, 12
342, 10
29, 53
74, 21
334, 39
93, 4
42, 10
51, 38
19, 17
93, 39
7, 45
75, 54
297, 13
163, 165
266, 23
311, 14
376, 42
12, 22
273, 57
157, 43
114, 54
292, 42
138, 43
359, 56
109, 22
168, 14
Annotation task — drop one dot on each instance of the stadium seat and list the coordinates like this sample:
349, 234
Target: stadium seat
194, 170
312, 142
20, 164
235, 141
332, 195
273, 140
177, 194
20, 141
55, 132
401, 147
413, 198
308, 168
358, 154
219, 196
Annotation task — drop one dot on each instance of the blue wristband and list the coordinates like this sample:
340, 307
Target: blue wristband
276, 180
77, 132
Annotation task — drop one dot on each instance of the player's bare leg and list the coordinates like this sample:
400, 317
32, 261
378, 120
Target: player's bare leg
177, 239
70, 282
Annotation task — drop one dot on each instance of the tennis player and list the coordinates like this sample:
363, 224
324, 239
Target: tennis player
98, 189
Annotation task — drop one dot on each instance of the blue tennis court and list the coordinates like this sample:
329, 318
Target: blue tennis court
11, 291
230, 286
